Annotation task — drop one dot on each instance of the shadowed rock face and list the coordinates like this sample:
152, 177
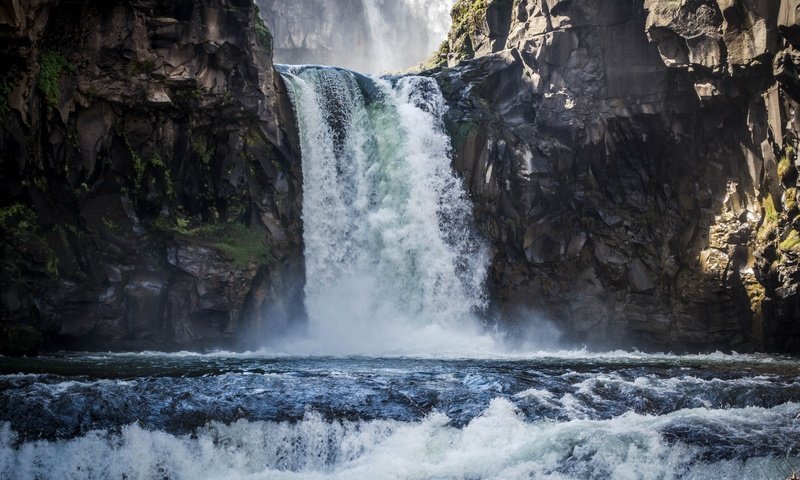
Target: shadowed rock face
149, 196
633, 163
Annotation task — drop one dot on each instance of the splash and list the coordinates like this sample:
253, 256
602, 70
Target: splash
393, 263
499, 444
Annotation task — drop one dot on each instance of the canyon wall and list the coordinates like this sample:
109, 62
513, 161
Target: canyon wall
149, 196
633, 163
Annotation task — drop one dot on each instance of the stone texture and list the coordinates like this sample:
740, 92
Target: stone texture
142, 148
626, 160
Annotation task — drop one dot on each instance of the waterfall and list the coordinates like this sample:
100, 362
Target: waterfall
366, 35
392, 26
392, 259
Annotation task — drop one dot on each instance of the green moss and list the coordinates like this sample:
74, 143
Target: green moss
262, 32
787, 173
138, 164
187, 96
468, 13
110, 224
20, 242
468, 16
203, 151
157, 162
784, 167
53, 66
243, 245
252, 137
791, 242
770, 212
770, 219
791, 199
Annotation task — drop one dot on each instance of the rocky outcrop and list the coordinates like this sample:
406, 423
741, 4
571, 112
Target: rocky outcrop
633, 163
150, 198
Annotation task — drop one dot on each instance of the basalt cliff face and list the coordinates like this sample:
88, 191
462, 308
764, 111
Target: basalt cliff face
149, 196
633, 163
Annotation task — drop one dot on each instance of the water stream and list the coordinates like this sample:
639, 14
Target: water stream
555, 415
393, 263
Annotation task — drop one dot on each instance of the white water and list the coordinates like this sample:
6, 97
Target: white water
393, 265
400, 46
372, 36
499, 444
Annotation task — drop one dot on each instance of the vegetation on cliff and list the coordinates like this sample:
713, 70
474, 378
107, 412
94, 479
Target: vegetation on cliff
148, 196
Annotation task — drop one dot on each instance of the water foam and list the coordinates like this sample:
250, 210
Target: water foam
393, 264
499, 444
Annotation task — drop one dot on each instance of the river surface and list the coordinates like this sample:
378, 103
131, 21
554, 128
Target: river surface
564, 415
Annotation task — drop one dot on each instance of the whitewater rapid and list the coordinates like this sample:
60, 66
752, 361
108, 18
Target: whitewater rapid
615, 417
393, 263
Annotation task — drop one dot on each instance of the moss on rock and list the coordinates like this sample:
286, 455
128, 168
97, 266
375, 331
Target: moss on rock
52, 67
242, 244
21, 245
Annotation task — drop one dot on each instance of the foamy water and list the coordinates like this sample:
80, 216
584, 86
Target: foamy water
565, 415
393, 263
598, 416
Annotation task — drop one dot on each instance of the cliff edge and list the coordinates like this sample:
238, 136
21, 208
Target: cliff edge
633, 163
150, 197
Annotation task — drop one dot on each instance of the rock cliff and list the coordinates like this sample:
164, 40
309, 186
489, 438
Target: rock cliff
149, 197
633, 163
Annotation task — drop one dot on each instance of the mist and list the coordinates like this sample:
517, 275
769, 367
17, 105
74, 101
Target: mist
370, 36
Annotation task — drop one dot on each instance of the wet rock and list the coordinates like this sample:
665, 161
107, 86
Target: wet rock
149, 141
644, 143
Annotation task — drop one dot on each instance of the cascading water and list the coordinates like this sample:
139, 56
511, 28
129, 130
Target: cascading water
392, 261
366, 35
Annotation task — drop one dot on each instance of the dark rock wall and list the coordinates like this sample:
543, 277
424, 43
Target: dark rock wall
149, 197
634, 164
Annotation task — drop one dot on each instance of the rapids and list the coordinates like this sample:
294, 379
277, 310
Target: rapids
395, 375
566, 415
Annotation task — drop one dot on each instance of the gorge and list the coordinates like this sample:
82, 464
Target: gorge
632, 170
392, 258
243, 240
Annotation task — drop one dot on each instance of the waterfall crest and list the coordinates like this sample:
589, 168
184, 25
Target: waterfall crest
392, 259
365, 35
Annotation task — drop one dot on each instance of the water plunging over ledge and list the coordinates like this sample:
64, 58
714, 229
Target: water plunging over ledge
392, 259
366, 35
